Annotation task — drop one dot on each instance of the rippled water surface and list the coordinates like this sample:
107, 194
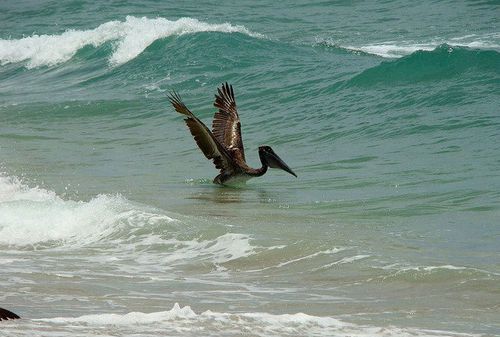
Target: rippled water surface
388, 112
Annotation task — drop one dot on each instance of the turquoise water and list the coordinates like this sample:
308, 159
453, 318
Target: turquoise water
387, 111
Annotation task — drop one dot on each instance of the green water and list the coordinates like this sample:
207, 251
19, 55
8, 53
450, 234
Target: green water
388, 113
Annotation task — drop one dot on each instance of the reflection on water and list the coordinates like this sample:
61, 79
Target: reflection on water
234, 201
234, 194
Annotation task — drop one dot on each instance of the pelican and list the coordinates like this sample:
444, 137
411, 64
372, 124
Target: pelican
224, 144
6, 315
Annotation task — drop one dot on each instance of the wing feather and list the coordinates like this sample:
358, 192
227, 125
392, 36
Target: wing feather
206, 141
226, 125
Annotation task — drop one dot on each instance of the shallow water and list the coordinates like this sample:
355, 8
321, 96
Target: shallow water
388, 113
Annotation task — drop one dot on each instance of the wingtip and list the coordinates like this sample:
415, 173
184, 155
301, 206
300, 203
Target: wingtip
229, 89
173, 96
176, 101
7, 315
224, 96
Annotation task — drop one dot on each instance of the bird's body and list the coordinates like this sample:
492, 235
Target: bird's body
224, 144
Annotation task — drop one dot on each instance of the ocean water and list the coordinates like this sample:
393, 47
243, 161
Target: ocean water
388, 111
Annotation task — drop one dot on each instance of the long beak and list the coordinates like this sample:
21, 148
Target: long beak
276, 162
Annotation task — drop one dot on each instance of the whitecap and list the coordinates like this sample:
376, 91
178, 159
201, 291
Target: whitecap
184, 321
227, 247
397, 49
131, 37
34, 215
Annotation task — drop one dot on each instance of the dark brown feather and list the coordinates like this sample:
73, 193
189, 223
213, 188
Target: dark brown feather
179, 106
226, 125
6, 314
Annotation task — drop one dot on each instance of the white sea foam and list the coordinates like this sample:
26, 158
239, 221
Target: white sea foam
396, 49
327, 252
33, 215
401, 268
392, 50
227, 247
131, 37
349, 259
186, 322
299, 259
36, 216
397, 269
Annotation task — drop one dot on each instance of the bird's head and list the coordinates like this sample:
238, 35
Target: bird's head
270, 158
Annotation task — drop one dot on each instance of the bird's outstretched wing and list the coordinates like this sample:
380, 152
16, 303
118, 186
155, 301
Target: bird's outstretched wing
207, 142
6, 314
226, 125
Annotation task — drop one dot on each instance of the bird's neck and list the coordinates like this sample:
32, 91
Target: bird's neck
261, 171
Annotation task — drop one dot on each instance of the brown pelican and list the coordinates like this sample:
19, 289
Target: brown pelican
6, 315
223, 144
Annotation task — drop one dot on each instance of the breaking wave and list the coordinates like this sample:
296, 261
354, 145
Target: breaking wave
39, 218
33, 216
441, 63
397, 49
130, 38
183, 321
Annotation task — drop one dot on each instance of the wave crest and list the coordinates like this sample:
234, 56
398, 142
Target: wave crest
183, 321
441, 63
131, 36
35, 216
397, 49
